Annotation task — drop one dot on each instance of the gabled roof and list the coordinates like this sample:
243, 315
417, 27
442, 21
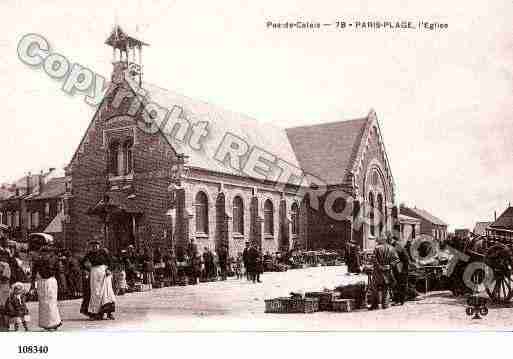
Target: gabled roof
5, 193
505, 220
423, 214
480, 228
327, 150
221, 122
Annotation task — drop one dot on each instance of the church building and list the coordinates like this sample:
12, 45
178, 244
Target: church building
158, 169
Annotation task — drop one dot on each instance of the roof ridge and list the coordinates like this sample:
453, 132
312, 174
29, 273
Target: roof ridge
328, 123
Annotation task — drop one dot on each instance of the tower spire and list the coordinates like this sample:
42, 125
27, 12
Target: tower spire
119, 40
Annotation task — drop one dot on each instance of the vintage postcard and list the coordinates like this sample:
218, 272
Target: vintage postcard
235, 166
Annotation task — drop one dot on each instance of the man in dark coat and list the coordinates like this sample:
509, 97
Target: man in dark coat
245, 254
352, 257
222, 255
208, 259
401, 273
385, 259
253, 258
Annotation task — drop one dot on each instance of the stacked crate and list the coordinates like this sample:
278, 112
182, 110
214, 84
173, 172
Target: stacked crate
325, 298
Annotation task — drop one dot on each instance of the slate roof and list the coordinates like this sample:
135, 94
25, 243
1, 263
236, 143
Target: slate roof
264, 135
5, 193
423, 214
480, 228
505, 220
327, 150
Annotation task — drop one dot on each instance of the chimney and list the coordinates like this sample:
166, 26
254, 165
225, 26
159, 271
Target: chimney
41, 181
28, 182
494, 216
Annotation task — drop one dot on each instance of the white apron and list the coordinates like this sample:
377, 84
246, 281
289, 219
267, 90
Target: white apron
101, 289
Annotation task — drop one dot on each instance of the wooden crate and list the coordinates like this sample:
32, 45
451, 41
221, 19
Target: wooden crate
277, 305
343, 305
325, 298
303, 305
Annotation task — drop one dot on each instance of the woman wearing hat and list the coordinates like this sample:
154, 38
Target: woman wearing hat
43, 278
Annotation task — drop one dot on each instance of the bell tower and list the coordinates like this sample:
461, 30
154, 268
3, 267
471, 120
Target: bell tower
126, 55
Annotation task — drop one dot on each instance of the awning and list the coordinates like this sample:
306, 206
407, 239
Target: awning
55, 225
114, 203
172, 213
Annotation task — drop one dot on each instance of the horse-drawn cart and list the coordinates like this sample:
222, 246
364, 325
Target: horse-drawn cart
497, 254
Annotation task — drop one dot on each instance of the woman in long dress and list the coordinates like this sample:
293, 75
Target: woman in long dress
102, 299
43, 279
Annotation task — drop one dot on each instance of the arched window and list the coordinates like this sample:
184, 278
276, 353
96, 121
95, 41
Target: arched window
128, 157
381, 213
114, 154
35, 219
16, 219
371, 214
268, 217
294, 216
238, 215
201, 213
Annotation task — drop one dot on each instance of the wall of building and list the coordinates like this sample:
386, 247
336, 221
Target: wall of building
250, 191
152, 160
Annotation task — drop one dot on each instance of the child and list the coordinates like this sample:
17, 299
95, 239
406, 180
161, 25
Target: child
238, 266
119, 277
16, 308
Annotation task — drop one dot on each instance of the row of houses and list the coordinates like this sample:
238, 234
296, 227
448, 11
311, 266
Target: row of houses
34, 203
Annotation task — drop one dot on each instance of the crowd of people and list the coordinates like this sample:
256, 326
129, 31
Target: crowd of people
99, 276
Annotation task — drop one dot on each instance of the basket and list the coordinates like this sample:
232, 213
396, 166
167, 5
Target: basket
139, 287
325, 298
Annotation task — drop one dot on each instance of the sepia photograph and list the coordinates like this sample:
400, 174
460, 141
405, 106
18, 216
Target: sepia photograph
196, 168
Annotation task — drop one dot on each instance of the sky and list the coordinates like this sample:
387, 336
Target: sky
443, 98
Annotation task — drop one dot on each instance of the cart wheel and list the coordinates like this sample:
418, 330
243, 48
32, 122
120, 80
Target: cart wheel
469, 311
483, 311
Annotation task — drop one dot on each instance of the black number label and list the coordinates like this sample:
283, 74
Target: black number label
32, 349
